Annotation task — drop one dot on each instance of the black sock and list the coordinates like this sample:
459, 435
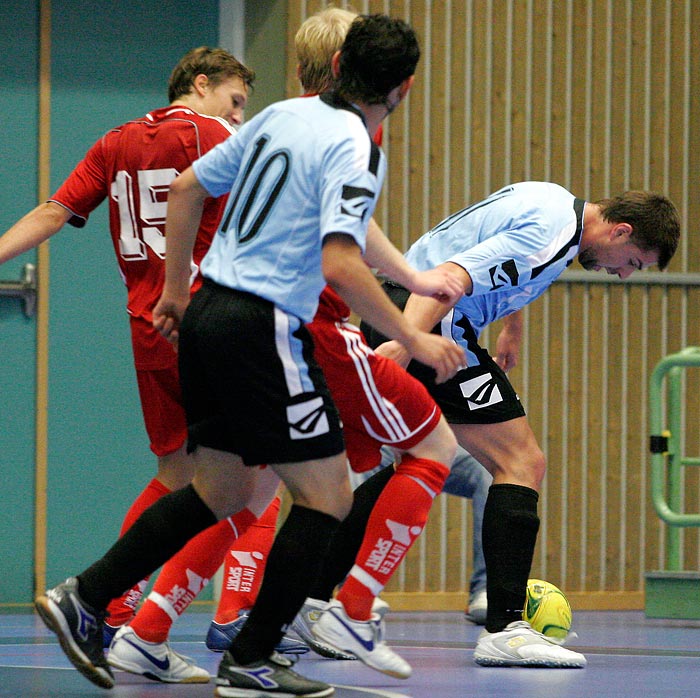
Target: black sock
509, 535
292, 564
154, 538
348, 538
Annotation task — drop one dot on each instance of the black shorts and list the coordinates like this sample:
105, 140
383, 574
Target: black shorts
250, 383
478, 394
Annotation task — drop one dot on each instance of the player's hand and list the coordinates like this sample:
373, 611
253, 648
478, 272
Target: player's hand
508, 347
440, 353
441, 283
168, 314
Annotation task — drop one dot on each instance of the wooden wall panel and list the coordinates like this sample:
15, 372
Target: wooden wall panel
599, 96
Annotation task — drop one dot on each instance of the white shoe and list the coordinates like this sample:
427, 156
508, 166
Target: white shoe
154, 660
519, 645
478, 606
363, 638
303, 624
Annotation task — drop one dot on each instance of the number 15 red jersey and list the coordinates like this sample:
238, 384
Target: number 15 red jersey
132, 166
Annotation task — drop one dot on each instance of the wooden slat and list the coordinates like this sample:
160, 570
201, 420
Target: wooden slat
599, 96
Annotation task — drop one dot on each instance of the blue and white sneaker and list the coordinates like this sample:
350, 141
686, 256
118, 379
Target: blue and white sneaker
157, 661
78, 628
220, 636
363, 638
303, 624
268, 677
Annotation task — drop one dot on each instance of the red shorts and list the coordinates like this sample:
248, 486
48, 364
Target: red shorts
163, 413
379, 403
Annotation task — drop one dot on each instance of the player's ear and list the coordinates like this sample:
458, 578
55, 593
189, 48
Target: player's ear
622, 230
200, 84
335, 65
405, 86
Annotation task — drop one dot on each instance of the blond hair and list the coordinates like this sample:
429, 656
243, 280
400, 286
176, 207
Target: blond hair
317, 39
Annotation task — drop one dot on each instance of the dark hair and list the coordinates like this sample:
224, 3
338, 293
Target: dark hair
654, 219
216, 63
378, 54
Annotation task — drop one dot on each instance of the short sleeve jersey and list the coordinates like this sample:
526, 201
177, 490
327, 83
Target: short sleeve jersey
513, 244
300, 170
132, 166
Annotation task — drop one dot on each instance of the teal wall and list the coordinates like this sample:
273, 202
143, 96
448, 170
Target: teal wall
110, 62
18, 192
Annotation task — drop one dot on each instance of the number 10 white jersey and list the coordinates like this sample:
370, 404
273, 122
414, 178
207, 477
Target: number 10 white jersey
298, 171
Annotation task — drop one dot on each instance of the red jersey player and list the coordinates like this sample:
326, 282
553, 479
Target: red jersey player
132, 166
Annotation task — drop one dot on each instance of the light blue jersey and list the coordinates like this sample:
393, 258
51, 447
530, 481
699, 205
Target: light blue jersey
298, 171
514, 244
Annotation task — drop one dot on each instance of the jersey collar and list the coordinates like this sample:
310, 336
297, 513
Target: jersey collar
332, 99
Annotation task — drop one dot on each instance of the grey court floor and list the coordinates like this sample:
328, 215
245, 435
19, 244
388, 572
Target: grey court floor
628, 655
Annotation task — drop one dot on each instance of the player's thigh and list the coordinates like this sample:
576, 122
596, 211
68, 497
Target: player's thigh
163, 412
378, 401
508, 450
321, 484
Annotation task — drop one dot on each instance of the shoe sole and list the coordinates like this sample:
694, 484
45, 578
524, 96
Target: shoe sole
541, 663
322, 649
55, 621
227, 692
292, 651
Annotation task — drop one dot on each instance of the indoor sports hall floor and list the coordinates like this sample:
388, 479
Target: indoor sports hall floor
628, 655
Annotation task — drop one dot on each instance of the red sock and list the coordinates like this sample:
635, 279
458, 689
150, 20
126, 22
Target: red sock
244, 567
121, 610
397, 519
185, 575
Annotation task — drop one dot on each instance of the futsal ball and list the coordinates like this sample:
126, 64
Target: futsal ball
547, 610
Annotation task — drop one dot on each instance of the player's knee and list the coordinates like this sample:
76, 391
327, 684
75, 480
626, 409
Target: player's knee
440, 445
432, 474
525, 468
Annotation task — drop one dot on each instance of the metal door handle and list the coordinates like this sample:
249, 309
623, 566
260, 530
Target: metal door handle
25, 289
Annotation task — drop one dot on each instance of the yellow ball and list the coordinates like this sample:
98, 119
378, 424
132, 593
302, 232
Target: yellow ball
547, 610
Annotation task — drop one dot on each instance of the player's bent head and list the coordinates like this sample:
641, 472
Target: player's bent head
378, 54
216, 63
654, 219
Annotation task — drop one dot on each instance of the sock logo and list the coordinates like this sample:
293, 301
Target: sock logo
482, 391
135, 594
387, 553
180, 598
307, 419
242, 576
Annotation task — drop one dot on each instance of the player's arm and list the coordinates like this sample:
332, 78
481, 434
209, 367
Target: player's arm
440, 283
508, 341
345, 270
424, 313
185, 204
32, 229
